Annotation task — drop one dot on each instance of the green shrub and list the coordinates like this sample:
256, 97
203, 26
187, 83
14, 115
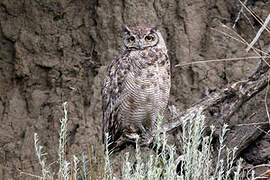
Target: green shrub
195, 162
161, 162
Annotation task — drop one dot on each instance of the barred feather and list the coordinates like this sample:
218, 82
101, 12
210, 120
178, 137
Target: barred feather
136, 89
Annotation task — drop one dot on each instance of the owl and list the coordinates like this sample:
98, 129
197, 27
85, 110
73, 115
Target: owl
136, 87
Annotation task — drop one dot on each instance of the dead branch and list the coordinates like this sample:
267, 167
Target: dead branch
219, 107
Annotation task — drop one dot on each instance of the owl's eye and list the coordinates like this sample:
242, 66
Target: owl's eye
131, 39
149, 38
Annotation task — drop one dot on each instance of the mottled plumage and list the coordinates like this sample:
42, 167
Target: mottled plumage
137, 84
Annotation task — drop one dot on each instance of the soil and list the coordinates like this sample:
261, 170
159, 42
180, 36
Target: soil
57, 51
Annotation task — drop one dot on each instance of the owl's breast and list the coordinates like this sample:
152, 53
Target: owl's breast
146, 90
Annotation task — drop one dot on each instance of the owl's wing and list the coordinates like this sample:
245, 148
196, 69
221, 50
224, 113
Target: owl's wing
111, 99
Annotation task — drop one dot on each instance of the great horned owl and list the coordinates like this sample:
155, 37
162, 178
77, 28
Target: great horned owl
137, 85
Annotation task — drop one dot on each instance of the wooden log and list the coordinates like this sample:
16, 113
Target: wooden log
229, 106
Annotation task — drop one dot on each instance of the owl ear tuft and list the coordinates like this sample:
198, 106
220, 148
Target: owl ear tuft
126, 29
154, 29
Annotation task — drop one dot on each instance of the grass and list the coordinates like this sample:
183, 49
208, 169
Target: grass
161, 162
194, 163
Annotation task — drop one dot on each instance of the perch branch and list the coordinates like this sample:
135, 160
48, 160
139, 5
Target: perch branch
229, 100
218, 107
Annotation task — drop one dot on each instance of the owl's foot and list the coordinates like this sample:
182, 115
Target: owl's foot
146, 139
132, 137
143, 140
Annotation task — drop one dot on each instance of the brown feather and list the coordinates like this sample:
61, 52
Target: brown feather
136, 88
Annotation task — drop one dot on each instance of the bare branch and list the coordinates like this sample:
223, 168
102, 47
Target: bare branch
220, 106
258, 33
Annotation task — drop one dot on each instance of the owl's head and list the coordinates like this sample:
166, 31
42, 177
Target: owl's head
139, 38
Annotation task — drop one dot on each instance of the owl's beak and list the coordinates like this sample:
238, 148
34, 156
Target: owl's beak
140, 44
